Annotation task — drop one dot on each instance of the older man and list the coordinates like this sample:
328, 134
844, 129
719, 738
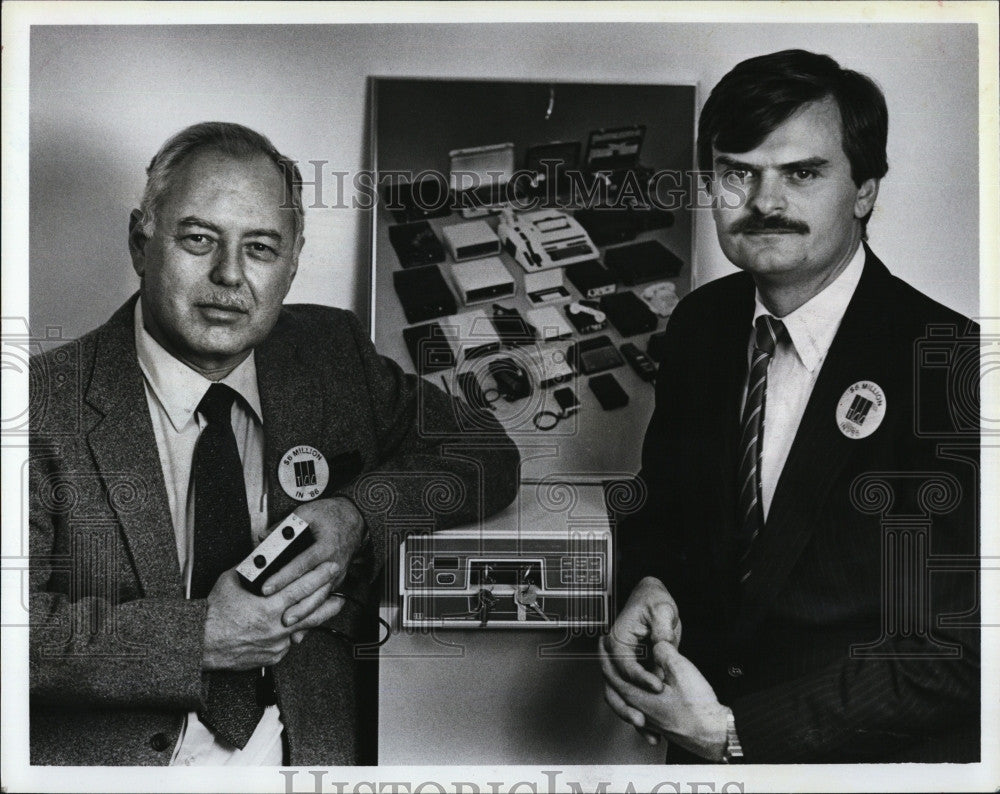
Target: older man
167, 442
803, 572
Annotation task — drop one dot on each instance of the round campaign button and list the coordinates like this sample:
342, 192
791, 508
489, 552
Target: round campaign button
861, 409
303, 473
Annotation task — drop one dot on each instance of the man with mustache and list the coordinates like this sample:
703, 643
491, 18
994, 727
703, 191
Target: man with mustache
782, 606
168, 442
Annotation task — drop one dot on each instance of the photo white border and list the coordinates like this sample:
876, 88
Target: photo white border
18, 16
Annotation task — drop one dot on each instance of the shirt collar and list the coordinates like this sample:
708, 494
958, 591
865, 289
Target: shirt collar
177, 387
812, 326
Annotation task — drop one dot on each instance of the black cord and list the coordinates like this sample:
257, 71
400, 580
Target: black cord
344, 635
541, 420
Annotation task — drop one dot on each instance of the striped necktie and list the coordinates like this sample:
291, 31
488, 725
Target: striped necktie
767, 331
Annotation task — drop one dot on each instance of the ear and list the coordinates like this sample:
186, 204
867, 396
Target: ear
137, 242
865, 200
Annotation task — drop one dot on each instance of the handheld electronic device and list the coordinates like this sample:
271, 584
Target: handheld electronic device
594, 355
608, 391
639, 361
286, 541
566, 398
656, 345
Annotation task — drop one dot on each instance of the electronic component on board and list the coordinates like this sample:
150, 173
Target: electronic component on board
471, 240
628, 313
482, 280
544, 239
423, 293
586, 317
592, 279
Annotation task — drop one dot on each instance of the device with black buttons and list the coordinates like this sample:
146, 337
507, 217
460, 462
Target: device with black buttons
289, 538
639, 361
597, 354
537, 578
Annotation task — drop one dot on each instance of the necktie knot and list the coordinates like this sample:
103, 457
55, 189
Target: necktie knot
217, 404
768, 330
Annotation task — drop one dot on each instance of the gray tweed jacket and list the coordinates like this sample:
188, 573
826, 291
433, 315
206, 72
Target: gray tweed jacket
115, 647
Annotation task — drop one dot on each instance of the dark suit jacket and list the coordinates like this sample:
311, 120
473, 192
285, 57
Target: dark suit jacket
115, 647
855, 638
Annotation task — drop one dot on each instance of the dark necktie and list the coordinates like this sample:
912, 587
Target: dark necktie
221, 541
767, 331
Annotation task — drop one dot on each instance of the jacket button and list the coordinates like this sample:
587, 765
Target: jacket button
159, 742
735, 671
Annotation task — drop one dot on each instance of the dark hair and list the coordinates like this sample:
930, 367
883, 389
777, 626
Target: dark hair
234, 140
763, 92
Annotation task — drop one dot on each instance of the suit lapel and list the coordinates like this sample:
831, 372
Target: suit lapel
819, 451
124, 447
728, 361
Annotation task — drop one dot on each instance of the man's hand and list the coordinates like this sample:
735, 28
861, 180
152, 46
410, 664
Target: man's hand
338, 529
650, 616
686, 711
243, 631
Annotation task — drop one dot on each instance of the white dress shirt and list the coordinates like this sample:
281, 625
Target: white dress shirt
173, 391
795, 366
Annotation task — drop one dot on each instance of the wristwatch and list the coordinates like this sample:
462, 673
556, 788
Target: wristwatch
734, 750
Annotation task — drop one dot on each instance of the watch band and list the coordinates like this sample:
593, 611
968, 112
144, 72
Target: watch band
734, 750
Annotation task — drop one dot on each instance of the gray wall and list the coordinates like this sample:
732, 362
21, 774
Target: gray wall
103, 98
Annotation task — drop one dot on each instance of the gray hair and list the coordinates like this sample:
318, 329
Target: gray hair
234, 140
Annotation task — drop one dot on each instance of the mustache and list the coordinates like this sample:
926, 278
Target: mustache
225, 300
756, 224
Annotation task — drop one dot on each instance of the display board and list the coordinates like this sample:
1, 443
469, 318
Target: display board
597, 180
502, 206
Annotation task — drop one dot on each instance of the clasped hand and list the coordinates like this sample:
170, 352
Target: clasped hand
243, 631
671, 697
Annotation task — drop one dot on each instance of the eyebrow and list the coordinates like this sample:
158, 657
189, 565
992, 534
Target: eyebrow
795, 165
193, 220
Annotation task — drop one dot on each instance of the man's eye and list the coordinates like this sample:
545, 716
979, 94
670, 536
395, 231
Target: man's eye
737, 174
261, 251
197, 243
803, 174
